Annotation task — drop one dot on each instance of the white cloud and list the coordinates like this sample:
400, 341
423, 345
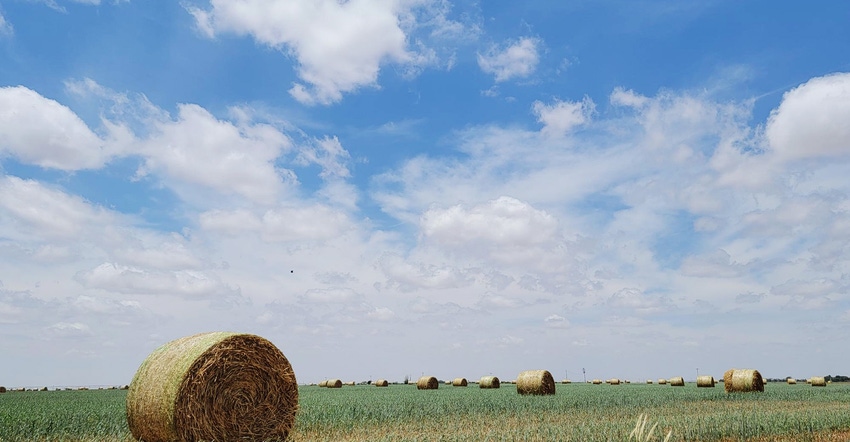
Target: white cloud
811, 121
339, 46
561, 117
125, 279
40, 131
282, 224
6, 28
514, 59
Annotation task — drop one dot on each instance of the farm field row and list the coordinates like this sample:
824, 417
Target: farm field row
577, 412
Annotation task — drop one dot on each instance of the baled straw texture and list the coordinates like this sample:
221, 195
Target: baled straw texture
334, 383
460, 382
382, 383
818, 381
489, 382
213, 386
427, 383
791, 381
705, 381
740, 381
537, 382
662, 381
678, 381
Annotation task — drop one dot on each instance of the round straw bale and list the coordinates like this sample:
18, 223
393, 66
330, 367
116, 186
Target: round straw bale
566, 381
613, 381
489, 382
596, 381
662, 381
213, 386
382, 383
323, 383
705, 381
818, 381
537, 382
351, 384
649, 381
678, 381
742, 380
791, 381
2, 389
459, 382
334, 383
427, 383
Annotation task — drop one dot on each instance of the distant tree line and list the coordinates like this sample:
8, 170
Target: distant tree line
829, 378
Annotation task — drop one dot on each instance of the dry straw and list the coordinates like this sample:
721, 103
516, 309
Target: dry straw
566, 381
213, 386
818, 381
324, 383
742, 380
662, 381
596, 381
705, 381
2, 389
613, 381
678, 381
649, 381
791, 381
459, 382
382, 383
537, 382
334, 383
489, 382
427, 383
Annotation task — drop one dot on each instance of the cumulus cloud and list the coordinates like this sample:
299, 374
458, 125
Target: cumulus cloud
126, 279
339, 46
811, 121
282, 224
561, 117
514, 59
40, 131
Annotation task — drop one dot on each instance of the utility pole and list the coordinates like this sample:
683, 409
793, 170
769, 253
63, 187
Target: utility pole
585, 375
697, 372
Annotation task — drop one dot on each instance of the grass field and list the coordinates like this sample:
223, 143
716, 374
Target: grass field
578, 412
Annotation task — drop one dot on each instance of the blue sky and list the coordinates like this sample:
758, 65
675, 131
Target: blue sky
392, 188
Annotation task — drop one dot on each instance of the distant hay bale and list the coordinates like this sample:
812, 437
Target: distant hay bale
613, 381
2, 389
351, 384
382, 383
43, 389
536, 382
678, 381
566, 381
213, 386
662, 381
489, 382
649, 381
596, 381
323, 383
791, 381
334, 383
427, 383
705, 381
742, 380
459, 382
627, 381
818, 381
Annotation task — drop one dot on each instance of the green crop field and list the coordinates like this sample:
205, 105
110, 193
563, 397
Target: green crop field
577, 412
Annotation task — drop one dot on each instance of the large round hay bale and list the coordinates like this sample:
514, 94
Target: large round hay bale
213, 386
678, 381
791, 381
382, 383
427, 383
742, 380
459, 382
705, 381
323, 383
334, 383
662, 381
613, 381
538, 382
489, 382
818, 381
2, 389
596, 382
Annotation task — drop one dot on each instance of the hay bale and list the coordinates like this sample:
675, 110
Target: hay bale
323, 383
489, 382
459, 382
334, 383
213, 386
596, 382
649, 381
678, 381
351, 384
537, 382
382, 383
705, 381
662, 381
791, 381
566, 381
742, 380
2, 389
818, 381
613, 381
427, 383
